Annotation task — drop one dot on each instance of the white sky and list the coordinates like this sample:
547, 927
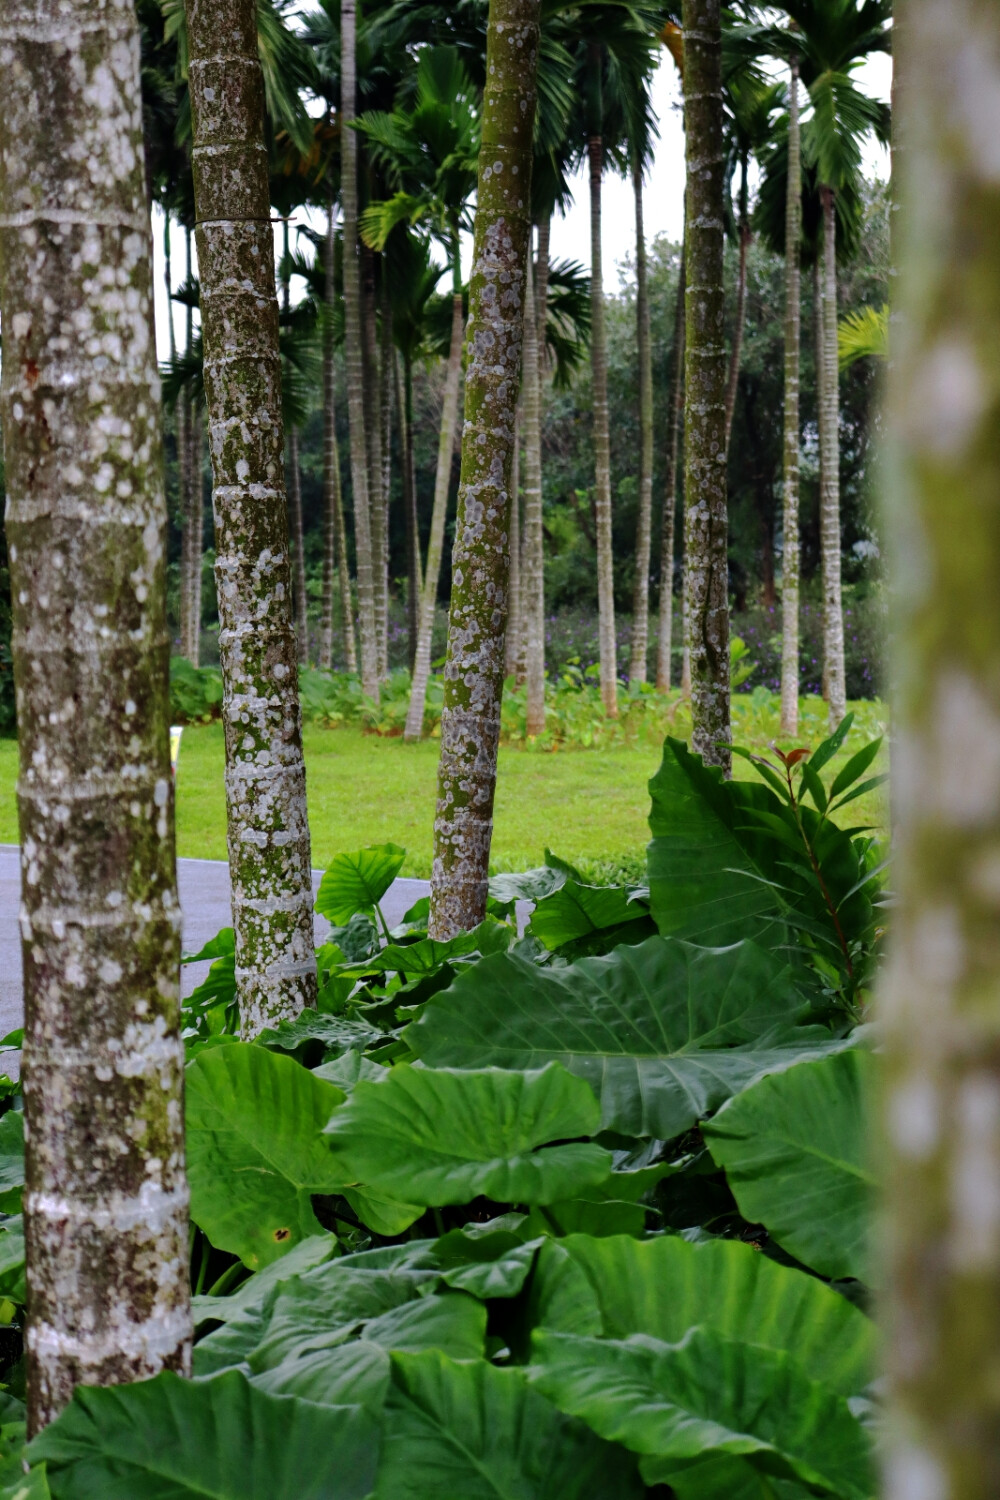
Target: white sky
663, 199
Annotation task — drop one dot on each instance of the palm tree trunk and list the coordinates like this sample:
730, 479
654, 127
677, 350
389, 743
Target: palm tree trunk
298, 551
735, 358
334, 531
373, 403
194, 522
542, 289
470, 722
793, 338
106, 1201
602, 442
387, 362
533, 587
643, 538
183, 434
269, 855
414, 571
664, 644
435, 542
354, 351
941, 1096
833, 610
515, 617
705, 495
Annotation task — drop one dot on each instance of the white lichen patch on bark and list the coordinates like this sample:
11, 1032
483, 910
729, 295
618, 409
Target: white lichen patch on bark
268, 830
105, 1208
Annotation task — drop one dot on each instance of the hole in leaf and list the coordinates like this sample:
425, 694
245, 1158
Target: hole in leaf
282, 1234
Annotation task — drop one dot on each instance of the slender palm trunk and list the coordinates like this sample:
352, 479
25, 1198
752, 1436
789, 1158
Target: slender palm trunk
106, 1200
387, 362
643, 536
664, 644
354, 351
414, 572
706, 520
833, 610
190, 541
334, 531
435, 542
941, 1099
298, 551
373, 430
542, 289
269, 855
793, 338
736, 355
194, 524
515, 617
470, 722
602, 442
533, 589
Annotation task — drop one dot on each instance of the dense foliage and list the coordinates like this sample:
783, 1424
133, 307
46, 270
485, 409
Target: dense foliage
570, 1206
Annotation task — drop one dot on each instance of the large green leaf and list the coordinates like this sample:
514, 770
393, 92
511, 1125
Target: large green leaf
472, 1431
576, 912
174, 1439
677, 1403
619, 1286
357, 882
30, 1486
663, 1032
256, 1289
796, 1151
254, 1149
11, 1161
442, 1136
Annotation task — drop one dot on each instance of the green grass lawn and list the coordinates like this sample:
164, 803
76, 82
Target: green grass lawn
589, 806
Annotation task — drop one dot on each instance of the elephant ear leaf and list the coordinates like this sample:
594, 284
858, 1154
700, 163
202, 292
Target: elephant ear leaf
357, 882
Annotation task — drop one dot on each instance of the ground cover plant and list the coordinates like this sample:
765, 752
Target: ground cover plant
580, 1211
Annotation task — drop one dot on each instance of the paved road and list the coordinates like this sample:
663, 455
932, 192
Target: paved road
204, 891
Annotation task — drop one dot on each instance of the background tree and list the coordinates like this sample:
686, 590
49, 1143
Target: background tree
105, 1206
790, 475
643, 536
268, 830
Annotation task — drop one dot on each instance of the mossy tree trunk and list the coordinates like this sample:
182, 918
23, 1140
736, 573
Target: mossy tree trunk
640, 597
194, 523
335, 557
830, 539
793, 340
414, 571
296, 530
599, 398
664, 644
106, 1200
470, 724
941, 1006
533, 583
705, 497
268, 830
354, 350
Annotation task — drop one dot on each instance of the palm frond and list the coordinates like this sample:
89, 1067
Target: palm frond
863, 334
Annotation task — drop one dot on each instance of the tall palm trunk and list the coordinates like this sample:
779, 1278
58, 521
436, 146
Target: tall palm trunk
515, 615
442, 483
414, 572
533, 583
736, 356
793, 338
354, 351
602, 442
268, 831
106, 1201
334, 531
470, 722
829, 396
194, 523
706, 520
941, 1098
387, 363
373, 430
664, 645
187, 412
643, 536
298, 551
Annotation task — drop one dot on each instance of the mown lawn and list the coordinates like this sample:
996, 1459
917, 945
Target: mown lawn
589, 806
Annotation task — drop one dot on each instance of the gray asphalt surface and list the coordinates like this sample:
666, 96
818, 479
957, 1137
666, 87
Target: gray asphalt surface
204, 891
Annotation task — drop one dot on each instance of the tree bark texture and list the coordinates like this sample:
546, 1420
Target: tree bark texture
298, 551
515, 615
736, 355
106, 1201
414, 571
334, 531
268, 830
373, 433
533, 582
941, 1006
182, 429
602, 444
470, 723
793, 341
435, 542
354, 351
194, 521
386, 355
643, 537
664, 644
829, 396
705, 497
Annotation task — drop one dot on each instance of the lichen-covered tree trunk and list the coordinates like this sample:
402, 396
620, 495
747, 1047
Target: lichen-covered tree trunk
373, 433
106, 1200
736, 354
941, 1006
533, 581
470, 723
602, 443
439, 514
334, 531
705, 498
664, 644
386, 355
414, 571
268, 830
643, 535
194, 521
354, 351
188, 544
793, 340
298, 551
515, 616
830, 540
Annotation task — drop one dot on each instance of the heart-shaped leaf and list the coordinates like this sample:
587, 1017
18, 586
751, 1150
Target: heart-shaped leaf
357, 882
